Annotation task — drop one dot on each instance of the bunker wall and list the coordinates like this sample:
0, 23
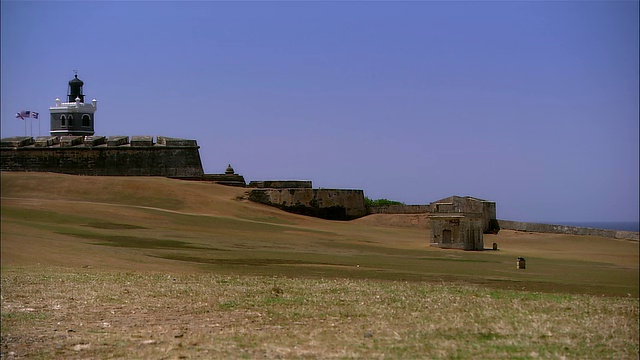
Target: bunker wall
398, 209
333, 204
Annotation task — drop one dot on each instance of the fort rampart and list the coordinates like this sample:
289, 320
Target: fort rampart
563, 229
98, 155
281, 184
332, 204
398, 209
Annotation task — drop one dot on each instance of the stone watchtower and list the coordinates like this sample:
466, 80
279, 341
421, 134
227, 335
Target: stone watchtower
73, 117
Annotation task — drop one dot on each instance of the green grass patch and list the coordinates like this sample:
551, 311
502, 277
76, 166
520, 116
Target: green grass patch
43, 216
267, 219
23, 316
135, 242
241, 261
114, 226
234, 224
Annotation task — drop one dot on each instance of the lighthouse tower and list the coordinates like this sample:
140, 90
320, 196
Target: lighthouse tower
73, 117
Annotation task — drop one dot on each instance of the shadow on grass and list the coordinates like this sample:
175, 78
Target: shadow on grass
138, 242
244, 262
114, 226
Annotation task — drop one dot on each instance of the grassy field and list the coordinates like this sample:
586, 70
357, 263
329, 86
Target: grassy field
116, 267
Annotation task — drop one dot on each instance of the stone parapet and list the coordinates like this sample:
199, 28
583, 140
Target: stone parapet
91, 156
45, 141
398, 209
281, 184
167, 141
69, 141
117, 140
16, 141
142, 141
91, 141
571, 230
225, 179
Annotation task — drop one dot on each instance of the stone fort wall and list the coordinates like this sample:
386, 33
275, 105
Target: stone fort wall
398, 209
101, 156
570, 230
332, 204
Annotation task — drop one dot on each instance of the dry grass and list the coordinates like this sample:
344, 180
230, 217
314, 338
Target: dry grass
159, 268
100, 314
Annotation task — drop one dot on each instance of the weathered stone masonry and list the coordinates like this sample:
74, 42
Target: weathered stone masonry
332, 204
96, 155
459, 222
571, 230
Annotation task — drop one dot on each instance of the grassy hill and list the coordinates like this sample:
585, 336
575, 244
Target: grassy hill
211, 257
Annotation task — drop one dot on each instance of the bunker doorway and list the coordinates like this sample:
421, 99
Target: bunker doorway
446, 236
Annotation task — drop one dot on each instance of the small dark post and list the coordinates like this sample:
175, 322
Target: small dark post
521, 264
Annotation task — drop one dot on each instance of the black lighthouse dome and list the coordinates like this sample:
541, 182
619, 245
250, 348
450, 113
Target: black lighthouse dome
75, 89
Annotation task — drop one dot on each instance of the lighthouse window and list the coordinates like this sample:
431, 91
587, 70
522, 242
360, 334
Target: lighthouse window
85, 120
70, 120
63, 120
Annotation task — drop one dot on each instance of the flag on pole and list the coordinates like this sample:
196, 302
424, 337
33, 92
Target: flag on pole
26, 114
23, 114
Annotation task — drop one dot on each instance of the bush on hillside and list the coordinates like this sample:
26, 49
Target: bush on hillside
381, 202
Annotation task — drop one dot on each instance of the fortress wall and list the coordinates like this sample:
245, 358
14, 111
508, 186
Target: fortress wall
124, 160
572, 230
398, 209
224, 179
332, 204
281, 184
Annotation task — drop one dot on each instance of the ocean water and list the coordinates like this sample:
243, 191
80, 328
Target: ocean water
612, 225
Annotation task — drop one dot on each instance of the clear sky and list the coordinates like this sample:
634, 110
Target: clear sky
530, 104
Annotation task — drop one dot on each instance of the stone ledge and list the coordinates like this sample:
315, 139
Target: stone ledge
16, 141
145, 141
91, 141
27, 142
117, 140
46, 141
167, 141
69, 141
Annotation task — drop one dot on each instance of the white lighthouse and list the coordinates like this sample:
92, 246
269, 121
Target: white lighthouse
74, 117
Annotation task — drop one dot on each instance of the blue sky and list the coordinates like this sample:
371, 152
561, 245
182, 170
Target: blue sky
533, 105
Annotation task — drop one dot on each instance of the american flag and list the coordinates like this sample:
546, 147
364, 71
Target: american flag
26, 113
23, 114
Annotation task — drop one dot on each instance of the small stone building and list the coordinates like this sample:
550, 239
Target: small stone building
459, 223
468, 204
